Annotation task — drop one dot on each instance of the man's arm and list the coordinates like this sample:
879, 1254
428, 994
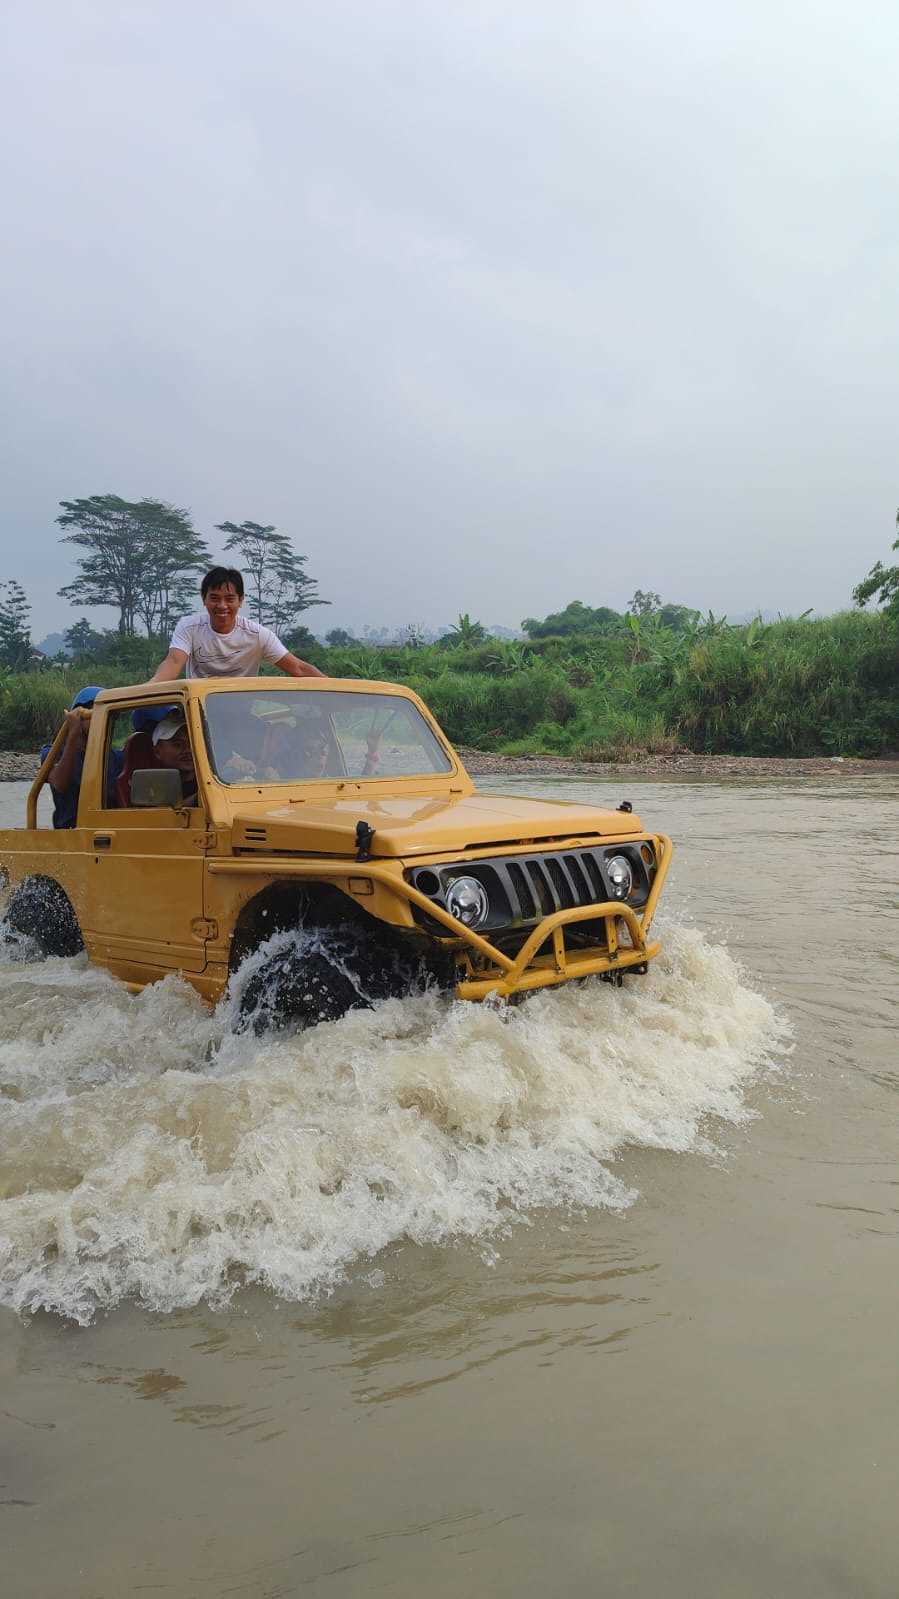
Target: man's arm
170, 668
62, 775
296, 668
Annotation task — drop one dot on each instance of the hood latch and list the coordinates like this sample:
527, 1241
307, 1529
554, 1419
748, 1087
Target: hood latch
364, 836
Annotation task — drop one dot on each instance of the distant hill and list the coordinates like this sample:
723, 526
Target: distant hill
52, 644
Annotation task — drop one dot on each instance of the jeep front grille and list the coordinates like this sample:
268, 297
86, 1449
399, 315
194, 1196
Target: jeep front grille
522, 889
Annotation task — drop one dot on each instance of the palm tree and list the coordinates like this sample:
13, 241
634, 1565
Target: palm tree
464, 631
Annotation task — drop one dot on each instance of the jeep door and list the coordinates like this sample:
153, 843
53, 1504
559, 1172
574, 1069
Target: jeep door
144, 882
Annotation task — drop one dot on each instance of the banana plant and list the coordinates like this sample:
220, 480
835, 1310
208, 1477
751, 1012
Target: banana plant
514, 657
465, 632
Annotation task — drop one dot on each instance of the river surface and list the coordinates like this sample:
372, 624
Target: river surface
597, 1296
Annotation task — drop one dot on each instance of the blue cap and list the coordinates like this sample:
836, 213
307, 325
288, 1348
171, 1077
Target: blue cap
145, 718
85, 697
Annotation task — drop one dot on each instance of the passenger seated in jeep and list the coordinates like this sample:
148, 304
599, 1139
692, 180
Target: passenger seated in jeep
294, 751
277, 748
65, 776
167, 748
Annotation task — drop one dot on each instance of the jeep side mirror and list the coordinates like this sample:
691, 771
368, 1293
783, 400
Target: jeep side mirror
151, 790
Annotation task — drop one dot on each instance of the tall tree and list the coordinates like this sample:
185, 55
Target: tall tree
137, 556
174, 554
644, 604
680, 618
882, 581
15, 625
576, 618
82, 641
279, 588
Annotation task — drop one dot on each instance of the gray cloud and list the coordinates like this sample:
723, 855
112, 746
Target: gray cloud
490, 306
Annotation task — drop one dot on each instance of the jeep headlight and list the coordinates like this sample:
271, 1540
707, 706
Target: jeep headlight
620, 875
466, 899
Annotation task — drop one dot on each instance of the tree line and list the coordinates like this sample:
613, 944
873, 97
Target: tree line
144, 557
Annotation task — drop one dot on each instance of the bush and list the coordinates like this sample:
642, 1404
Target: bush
32, 705
626, 737
807, 688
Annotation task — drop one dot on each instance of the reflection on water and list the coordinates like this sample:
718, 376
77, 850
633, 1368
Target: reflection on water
607, 1307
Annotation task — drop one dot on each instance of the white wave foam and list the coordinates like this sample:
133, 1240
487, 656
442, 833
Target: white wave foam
147, 1152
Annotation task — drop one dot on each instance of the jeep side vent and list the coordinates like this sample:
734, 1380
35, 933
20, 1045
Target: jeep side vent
256, 835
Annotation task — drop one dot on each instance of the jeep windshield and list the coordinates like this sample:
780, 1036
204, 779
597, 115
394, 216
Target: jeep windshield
254, 737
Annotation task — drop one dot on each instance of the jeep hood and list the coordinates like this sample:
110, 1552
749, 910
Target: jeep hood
415, 824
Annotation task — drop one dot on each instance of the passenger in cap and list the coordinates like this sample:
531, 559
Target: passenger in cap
65, 776
171, 744
167, 748
146, 717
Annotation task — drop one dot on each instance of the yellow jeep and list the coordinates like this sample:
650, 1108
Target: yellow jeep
332, 829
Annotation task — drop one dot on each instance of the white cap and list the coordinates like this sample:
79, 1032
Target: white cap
168, 727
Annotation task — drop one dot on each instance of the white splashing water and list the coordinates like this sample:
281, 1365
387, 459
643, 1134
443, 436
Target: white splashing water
148, 1153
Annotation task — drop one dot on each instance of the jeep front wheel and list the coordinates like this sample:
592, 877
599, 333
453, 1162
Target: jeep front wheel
291, 987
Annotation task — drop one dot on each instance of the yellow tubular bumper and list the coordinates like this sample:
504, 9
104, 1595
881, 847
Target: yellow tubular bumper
529, 969
532, 970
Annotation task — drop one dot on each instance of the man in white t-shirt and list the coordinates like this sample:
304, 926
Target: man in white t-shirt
219, 642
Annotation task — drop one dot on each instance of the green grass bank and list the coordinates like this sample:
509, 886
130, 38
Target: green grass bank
810, 687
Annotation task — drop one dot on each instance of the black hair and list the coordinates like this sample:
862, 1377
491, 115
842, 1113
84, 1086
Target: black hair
218, 576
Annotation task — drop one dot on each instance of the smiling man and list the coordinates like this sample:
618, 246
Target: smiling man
219, 642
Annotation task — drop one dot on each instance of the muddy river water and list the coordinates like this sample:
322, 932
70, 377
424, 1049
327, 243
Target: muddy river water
596, 1296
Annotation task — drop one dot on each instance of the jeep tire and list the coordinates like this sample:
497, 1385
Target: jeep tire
369, 963
40, 910
292, 988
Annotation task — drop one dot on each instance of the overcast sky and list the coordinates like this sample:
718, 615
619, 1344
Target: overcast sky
489, 305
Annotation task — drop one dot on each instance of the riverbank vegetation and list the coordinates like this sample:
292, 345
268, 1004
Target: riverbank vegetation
826, 686
588, 682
